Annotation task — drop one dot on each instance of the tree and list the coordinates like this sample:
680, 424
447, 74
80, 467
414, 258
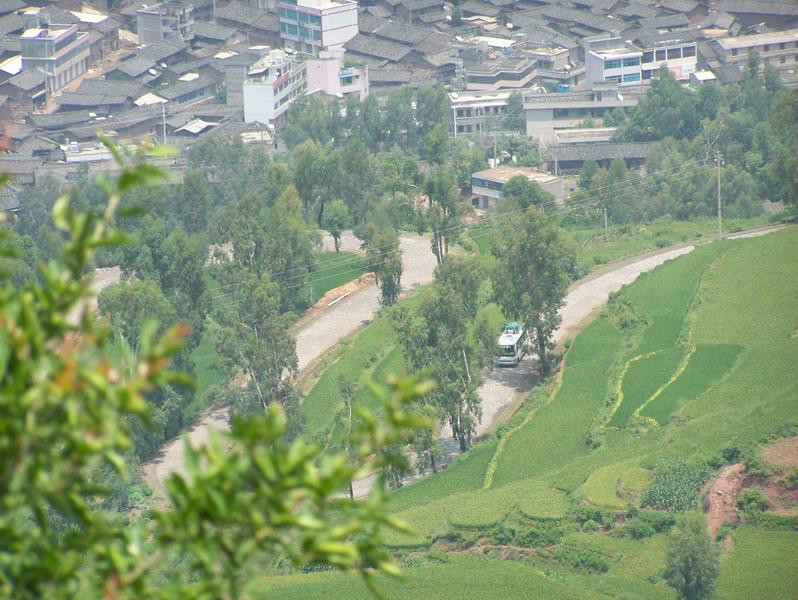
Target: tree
194, 202
437, 337
385, 261
436, 144
443, 215
514, 118
783, 168
68, 413
523, 193
668, 109
531, 273
128, 305
691, 564
336, 219
586, 174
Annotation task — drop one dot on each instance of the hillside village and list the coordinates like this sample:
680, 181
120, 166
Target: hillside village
179, 70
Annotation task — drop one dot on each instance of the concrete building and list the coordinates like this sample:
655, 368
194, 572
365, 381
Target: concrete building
777, 48
609, 59
475, 111
272, 83
61, 52
313, 25
328, 74
547, 112
500, 75
487, 185
168, 20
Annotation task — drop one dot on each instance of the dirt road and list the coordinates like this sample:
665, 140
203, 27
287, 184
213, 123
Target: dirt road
314, 339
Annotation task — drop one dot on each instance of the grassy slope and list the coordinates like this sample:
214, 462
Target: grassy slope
762, 564
462, 578
333, 269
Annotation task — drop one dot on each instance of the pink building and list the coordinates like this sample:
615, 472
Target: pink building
327, 74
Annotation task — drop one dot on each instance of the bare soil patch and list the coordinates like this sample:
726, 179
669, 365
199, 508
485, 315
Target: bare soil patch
782, 453
323, 303
722, 497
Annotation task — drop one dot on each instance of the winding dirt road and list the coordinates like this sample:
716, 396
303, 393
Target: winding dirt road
317, 336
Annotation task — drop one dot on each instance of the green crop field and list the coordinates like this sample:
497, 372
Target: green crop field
762, 564
733, 302
557, 432
708, 364
333, 269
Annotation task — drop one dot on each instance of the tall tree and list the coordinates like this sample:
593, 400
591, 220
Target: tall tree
128, 305
335, 221
691, 564
194, 202
385, 261
531, 274
443, 214
437, 337
436, 144
523, 193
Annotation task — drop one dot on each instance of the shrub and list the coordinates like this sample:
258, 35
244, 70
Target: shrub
752, 501
539, 535
724, 531
638, 529
791, 480
590, 525
582, 559
647, 523
660, 521
674, 483
503, 535
583, 514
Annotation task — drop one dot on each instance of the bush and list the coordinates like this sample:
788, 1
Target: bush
791, 480
539, 535
752, 501
638, 529
582, 559
503, 535
647, 523
674, 484
584, 514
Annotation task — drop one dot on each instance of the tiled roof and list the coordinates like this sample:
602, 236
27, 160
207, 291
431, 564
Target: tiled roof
59, 119
766, 7
181, 88
7, 6
162, 50
75, 99
383, 76
403, 33
637, 10
600, 151
11, 23
582, 17
680, 6
136, 66
238, 12
27, 80
213, 32
372, 46
475, 7
422, 4
665, 21
128, 89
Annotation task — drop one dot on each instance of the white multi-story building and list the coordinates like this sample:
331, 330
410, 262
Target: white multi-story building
61, 52
313, 25
270, 86
475, 111
168, 20
609, 59
487, 185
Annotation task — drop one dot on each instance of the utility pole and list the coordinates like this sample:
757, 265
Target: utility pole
720, 218
163, 117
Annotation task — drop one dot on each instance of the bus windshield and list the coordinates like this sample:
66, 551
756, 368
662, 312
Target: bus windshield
506, 351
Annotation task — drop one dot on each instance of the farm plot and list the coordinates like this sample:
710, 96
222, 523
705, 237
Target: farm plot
763, 564
612, 486
479, 510
557, 432
708, 364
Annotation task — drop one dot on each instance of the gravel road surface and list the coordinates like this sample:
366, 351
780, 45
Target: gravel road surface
316, 338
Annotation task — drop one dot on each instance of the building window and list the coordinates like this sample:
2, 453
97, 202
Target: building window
688, 51
783, 60
781, 46
631, 62
315, 19
674, 53
734, 51
766, 48
660, 54
648, 57
612, 79
631, 77
647, 74
612, 64
316, 35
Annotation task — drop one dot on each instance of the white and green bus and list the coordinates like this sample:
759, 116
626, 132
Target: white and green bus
511, 346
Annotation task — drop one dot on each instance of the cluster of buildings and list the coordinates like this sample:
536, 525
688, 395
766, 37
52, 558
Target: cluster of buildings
182, 69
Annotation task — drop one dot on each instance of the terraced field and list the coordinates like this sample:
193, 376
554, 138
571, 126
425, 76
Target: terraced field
724, 322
